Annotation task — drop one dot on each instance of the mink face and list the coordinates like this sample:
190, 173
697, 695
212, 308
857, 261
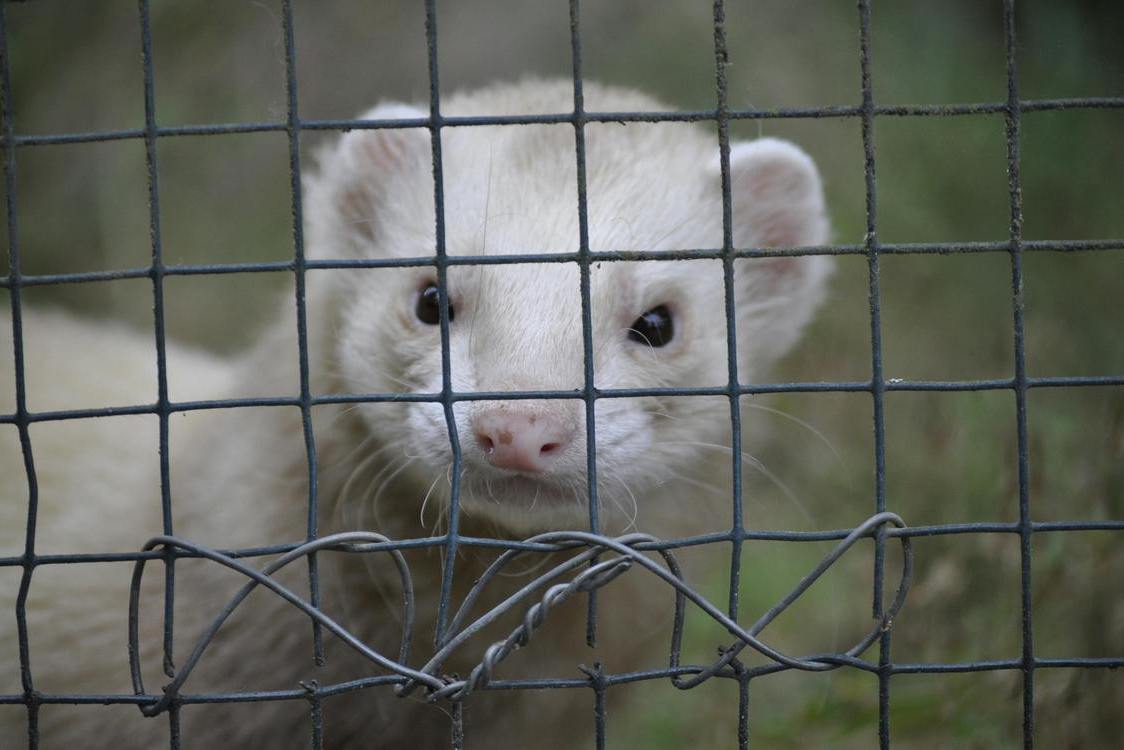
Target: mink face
516, 327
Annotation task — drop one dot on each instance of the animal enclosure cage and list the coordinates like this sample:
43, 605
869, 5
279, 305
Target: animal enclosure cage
607, 558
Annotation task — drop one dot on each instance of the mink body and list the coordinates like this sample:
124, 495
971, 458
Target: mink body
239, 477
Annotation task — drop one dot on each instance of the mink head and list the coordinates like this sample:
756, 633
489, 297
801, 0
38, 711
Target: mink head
512, 191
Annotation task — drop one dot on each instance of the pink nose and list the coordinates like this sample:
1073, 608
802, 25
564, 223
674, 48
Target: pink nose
521, 441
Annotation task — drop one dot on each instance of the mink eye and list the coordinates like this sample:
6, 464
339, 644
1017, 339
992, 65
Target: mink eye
654, 328
428, 308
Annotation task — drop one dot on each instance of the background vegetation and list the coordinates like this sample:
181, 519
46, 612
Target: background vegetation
951, 457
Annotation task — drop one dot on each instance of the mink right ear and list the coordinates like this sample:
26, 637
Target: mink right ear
778, 201
357, 171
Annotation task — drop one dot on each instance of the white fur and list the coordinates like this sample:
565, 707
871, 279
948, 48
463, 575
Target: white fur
239, 476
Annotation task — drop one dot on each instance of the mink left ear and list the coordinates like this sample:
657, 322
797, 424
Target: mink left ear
777, 201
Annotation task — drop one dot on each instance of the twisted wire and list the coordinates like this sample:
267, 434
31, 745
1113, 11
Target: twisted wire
601, 560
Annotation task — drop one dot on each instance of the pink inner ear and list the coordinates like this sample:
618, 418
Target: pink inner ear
366, 156
384, 150
777, 194
777, 269
356, 204
776, 229
772, 178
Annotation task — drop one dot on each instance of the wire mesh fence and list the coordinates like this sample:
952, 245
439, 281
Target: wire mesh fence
602, 558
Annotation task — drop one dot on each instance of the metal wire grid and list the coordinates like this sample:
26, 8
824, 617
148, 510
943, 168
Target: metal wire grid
867, 111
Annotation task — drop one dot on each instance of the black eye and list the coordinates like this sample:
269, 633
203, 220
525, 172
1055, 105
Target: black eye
654, 327
428, 309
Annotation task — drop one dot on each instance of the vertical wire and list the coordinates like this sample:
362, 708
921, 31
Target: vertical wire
440, 262
743, 703
599, 684
21, 416
316, 709
1013, 119
300, 273
877, 380
589, 388
737, 529
162, 405
457, 733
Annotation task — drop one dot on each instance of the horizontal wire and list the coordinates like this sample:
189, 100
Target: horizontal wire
209, 269
702, 115
749, 535
541, 683
857, 386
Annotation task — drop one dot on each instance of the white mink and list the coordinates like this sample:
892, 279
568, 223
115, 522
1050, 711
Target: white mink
239, 476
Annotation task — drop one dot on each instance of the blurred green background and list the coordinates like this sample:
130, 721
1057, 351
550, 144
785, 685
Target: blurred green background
951, 457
